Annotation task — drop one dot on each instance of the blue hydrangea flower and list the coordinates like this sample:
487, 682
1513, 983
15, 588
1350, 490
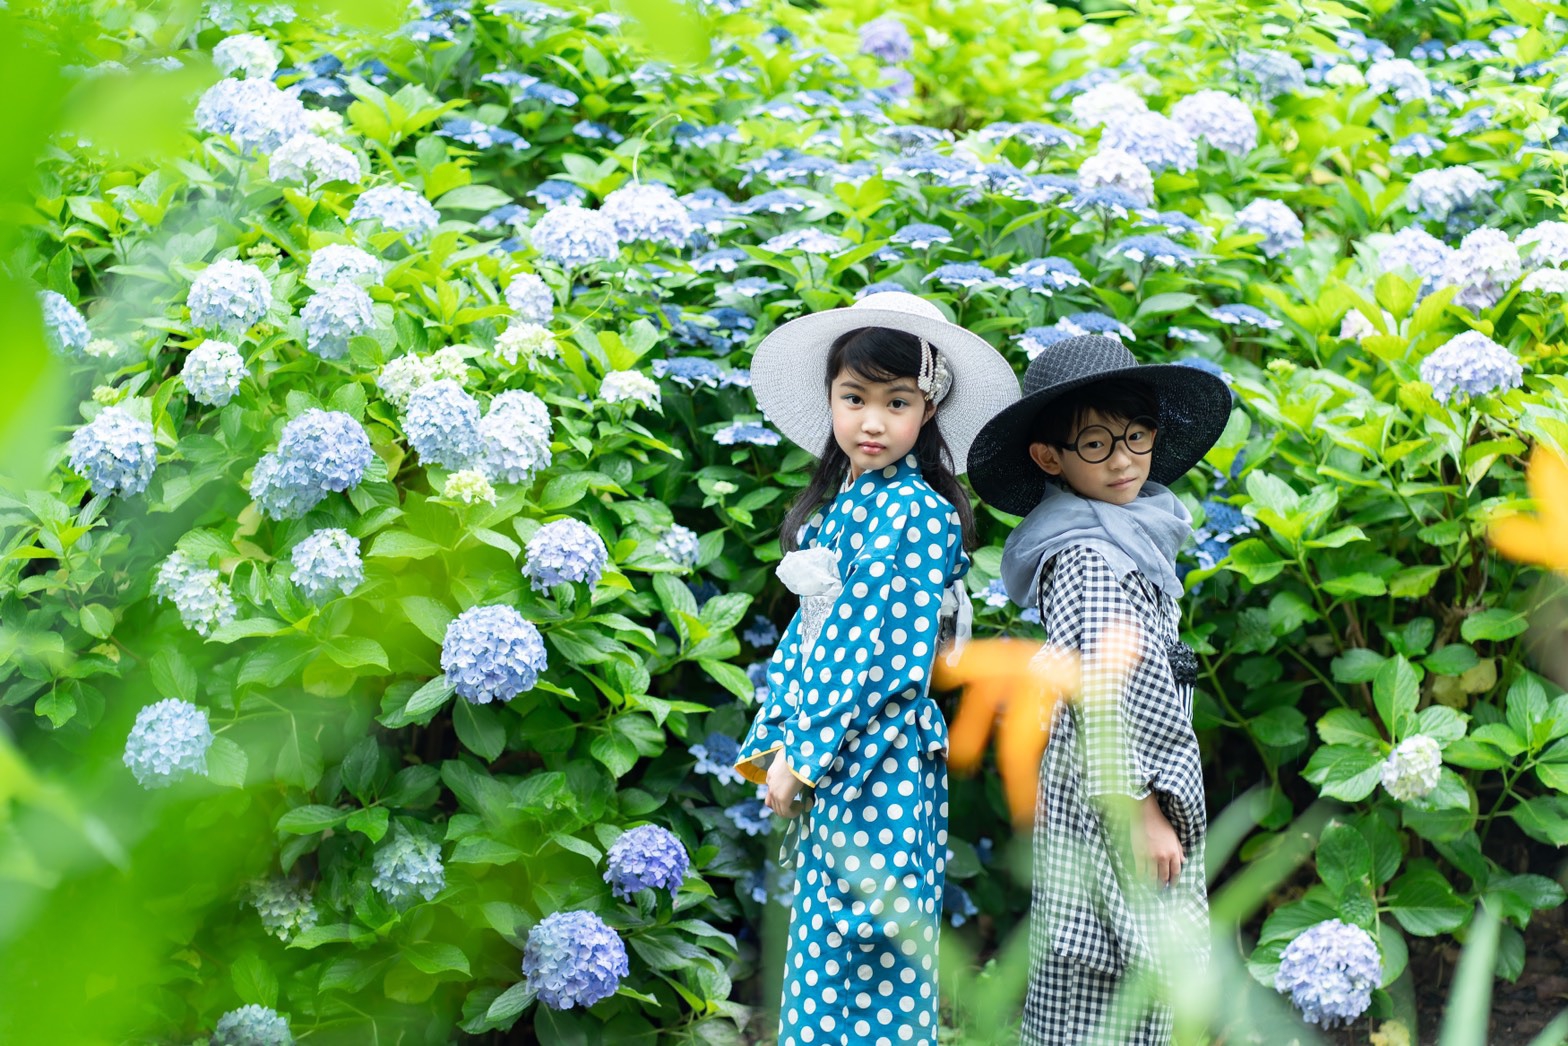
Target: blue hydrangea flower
285, 909
169, 742
689, 371
492, 653
1105, 103
1223, 522
751, 287
921, 235
886, 40
620, 386
1278, 224
320, 452
531, 298
1036, 340
1245, 316
212, 372
571, 235
1417, 251
573, 959
114, 452
565, 551
550, 94
1545, 281
957, 903
805, 241
1116, 169
746, 432
1108, 199
197, 592
717, 755
1158, 250
552, 193
256, 114
1412, 769
881, 287
962, 274
1036, 135
1160, 143
407, 865
724, 260
1473, 364
1329, 971
680, 545
1224, 121
944, 170
750, 816
313, 162
1080, 323
252, 1025
757, 672
1546, 243
230, 296
514, 437
64, 325
342, 263
648, 212
1400, 76
693, 136
335, 314
1043, 276
481, 135
396, 208
1437, 194
1273, 72
761, 633
646, 857
1422, 145
994, 595
1483, 267
442, 423
327, 564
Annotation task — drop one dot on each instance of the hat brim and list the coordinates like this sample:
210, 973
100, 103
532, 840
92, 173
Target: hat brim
1195, 407
789, 375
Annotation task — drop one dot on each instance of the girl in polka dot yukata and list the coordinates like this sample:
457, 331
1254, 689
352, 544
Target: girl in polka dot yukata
849, 741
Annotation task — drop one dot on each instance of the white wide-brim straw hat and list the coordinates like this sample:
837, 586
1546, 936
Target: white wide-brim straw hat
789, 370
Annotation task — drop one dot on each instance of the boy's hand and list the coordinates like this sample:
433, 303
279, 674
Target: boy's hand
783, 788
1157, 851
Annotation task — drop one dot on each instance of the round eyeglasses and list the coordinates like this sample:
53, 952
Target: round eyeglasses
1096, 443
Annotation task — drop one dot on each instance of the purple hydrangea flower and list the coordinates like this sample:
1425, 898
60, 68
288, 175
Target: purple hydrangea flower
442, 423
169, 742
1329, 971
645, 857
492, 653
571, 235
114, 452
886, 40
573, 959
565, 551
1472, 364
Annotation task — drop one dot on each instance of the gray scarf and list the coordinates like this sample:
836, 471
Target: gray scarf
1142, 537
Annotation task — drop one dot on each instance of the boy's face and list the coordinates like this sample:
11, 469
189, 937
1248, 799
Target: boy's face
1118, 478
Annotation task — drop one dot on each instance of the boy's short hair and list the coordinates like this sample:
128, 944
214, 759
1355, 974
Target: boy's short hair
1118, 399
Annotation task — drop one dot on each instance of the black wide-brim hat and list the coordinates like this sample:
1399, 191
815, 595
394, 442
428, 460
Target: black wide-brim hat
1194, 409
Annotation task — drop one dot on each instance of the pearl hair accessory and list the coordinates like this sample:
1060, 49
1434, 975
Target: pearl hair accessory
935, 378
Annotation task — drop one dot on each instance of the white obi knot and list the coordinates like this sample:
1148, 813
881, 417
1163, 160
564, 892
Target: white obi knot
812, 574
956, 619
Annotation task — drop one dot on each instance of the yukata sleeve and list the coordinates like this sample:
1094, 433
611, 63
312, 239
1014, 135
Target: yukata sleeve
877, 644
1085, 607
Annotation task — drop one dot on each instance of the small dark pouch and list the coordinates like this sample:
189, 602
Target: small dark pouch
1183, 662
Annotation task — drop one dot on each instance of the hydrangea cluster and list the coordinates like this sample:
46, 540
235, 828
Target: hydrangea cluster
524, 341
1106, 103
491, 653
805, 241
1547, 243
1417, 251
1437, 194
1473, 364
335, 314
621, 386
407, 865
680, 545
312, 162
397, 208
886, 40
921, 235
1412, 769
762, 631
212, 372
1159, 250
255, 113
648, 212
230, 296
1224, 121
327, 564
1278, 224
1043, 276
531, 298
1401, 76
114, 452
285, 909
401, 376
64, 325
565, 551
571, 235
253, 57
750, 816
252, 1025
442, 423
320, 452
648, 856
1274, 72
1238, 315
1159, 143
962, 274
197, 592
168, 743
1329, 971
470, 486
957, 904
514, 437
342, 263
1545, 281
1115, 169
1483, 267
573, 959
1356, 326
746, 432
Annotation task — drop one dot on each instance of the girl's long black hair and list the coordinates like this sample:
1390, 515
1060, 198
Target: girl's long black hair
878, 354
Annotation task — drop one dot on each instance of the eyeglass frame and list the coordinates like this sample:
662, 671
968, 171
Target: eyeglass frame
1153, 427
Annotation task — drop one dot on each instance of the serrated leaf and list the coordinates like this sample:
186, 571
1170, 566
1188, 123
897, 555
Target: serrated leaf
227, 763
480, 729
303, 820
370, 821
511, 1002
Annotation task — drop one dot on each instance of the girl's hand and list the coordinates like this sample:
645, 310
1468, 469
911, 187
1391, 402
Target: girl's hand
1156, 848
783, 787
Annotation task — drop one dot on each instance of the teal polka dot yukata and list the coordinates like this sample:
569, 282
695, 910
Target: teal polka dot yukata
850, 707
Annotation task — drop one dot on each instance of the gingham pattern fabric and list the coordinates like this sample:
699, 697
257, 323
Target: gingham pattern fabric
1095, 928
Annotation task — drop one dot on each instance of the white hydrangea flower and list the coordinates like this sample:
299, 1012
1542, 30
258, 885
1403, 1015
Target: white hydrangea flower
620, 386
312, 162
1545, 281
1099, 104
1120, 170
468, 486
250, 55
524, 341
1412, 769
213, 371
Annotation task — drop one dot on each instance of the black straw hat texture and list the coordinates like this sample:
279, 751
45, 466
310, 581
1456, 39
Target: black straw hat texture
1194, 408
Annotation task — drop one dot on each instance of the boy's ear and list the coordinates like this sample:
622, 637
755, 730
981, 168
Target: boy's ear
1047, 457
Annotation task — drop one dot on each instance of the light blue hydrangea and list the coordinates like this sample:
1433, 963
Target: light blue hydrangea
1117, 169
197, 591
65, 327
327, 564
531, 298
1222, 120
921, 235
514, 437
285, 908
230, 296
621, 386
168, 743
256, 114
1484, 266
1273, 72
750, 816
1036, 135
1422, 145
335, 314
1416, 251
805, 241
1043, 276
750, 287
573, 959
1329, 972
648, 212
563, 552
1545, 243
254, 57
396, 208
778, 201
957, 904
320, 452
1278, 224
724, 259
643, 858
1036, 340
553, 193
746, 432
1155, 250
1106, 103
1080, 323
1399, 76
680, 545
407, 865
312, 161
1159, 143
252, 1025
1472, 364
757, 673
442, 424
886, 40
342, 263
114, 452
689, 371
403, 374
571, 235
491, 653
1412, 769
1437, 194
962, 274
717, 755
212, 372
1245, 316
761, 633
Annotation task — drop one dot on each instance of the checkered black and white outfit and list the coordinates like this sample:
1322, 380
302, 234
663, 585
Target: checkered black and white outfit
1097, 929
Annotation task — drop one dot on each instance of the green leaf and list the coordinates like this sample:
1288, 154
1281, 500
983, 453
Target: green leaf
97, 620
1495, 624
617, 753
1357, 665
370, 821
1344, 772
482, 849
303, 820
226, 763
172, 675
1254, 560
254, 981
1395, 693
1441, 724
1451, 660
472, 198
1344, 726
1544, 818
1424, 902
1343, 858
511, 1002
247, 629
355, 651
1360, 584
400, 544
731, 677
1526, 705
1280, 727
480, 729
430, 616
299, 756
436, 957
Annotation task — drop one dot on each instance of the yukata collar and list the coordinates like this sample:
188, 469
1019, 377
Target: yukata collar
909, 465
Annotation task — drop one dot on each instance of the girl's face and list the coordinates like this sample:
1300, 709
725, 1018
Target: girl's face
1118, 478
876, 423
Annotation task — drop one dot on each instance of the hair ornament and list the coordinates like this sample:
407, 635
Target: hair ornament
936, 377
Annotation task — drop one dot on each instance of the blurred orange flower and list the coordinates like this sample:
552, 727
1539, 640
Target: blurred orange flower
1541, 539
